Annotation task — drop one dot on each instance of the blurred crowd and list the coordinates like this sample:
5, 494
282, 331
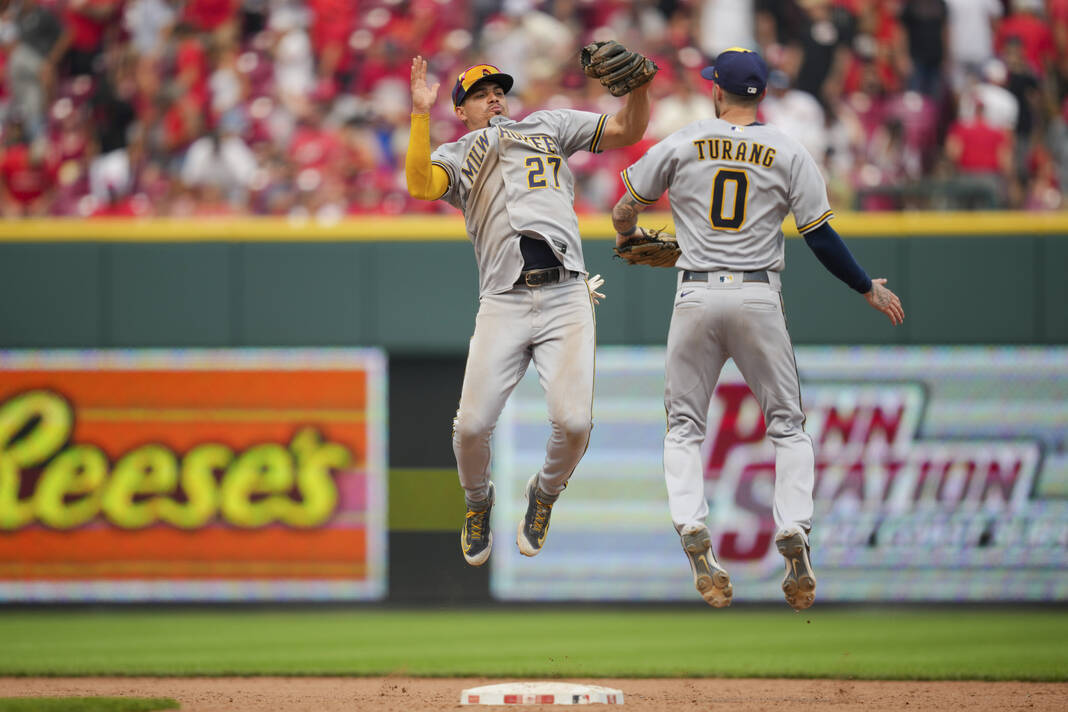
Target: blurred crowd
300, 108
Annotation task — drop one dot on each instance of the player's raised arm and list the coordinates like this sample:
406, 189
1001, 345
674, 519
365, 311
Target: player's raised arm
621, 72
627, 126
423, 95
425, 180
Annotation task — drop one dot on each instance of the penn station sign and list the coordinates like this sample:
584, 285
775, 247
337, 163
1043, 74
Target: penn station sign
192, 474
940, 475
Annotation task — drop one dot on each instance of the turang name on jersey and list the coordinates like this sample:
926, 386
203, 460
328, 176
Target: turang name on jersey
725, 149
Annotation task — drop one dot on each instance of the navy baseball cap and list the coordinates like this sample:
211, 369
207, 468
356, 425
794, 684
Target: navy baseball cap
738, 70
475, 75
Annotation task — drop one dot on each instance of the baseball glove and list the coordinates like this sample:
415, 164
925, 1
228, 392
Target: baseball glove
655, 248
618, 69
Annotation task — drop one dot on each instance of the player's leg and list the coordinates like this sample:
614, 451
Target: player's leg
763, 351
695, 357
563, 354
497, 358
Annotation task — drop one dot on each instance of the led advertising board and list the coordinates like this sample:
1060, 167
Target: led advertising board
192, 475
941, 475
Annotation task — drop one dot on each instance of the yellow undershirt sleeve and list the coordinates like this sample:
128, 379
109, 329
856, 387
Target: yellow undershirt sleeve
426, 181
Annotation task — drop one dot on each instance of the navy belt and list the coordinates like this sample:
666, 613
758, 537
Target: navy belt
539, 277
757, 276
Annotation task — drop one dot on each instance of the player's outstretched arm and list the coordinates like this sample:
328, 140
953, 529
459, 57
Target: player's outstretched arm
627, 126
885, 301
836, 257
425, 180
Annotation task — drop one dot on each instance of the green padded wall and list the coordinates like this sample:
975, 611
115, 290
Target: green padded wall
419, 295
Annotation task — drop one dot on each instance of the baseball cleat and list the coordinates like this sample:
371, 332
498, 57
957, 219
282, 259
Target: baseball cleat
711, 580
476, 540
534, 526
799, 585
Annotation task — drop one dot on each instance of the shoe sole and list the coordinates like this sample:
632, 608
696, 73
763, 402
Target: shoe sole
479, 558
799, 585
525, 547
523, 543
714, 584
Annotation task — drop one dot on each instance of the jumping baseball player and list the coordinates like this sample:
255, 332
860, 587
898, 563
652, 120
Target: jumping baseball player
511, 180
732, 181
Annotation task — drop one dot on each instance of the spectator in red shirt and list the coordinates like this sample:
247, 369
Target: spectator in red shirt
191, 64
1044, 192
332, 22
27, 174
982, 156
313, 145
977, 147
1034, 34
215, 17
88, 21
892, 43
182, 123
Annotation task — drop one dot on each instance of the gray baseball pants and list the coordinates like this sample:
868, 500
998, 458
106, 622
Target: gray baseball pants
726, 317
553, 325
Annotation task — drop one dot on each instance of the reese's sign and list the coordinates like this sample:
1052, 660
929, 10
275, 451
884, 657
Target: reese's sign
205, 470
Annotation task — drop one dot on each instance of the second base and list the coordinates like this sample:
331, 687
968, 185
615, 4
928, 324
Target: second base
541, 693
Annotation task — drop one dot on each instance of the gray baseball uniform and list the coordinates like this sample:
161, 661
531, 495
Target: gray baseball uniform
730, 189
511, 179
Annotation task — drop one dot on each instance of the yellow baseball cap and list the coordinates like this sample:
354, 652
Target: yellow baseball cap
479, 73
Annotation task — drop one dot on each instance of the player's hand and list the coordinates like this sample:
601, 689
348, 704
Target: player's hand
423, 96
594, 283
885, 301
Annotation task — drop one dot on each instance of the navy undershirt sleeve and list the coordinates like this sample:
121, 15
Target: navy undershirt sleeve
836, 257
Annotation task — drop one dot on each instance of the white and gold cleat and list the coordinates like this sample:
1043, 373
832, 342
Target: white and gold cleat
799, 584
711, 580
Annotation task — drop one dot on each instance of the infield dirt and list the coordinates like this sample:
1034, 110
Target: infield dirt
402, 694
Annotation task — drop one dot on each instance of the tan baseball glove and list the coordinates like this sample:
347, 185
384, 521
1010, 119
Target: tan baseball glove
655, 248
616, 67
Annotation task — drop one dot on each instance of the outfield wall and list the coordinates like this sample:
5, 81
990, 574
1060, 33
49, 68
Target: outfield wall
410, 285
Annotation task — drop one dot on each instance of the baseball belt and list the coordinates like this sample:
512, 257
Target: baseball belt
539, 277
757, 276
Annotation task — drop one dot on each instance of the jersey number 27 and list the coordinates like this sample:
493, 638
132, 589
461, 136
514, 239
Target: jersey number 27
536, 171
724, 213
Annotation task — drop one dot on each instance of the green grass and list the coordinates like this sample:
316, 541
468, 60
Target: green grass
85, 704
870, 643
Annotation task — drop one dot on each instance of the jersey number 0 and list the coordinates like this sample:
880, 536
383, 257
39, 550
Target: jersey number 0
718, 213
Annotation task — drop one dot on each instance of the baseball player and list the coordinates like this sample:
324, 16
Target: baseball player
511, 180
732, 181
